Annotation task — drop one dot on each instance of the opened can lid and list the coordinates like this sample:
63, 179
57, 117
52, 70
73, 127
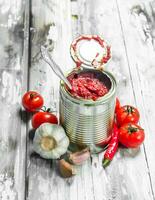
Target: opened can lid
90, 51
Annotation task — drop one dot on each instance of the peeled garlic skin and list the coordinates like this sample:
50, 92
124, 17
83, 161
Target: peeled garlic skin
66, 169
54, 131
78, 158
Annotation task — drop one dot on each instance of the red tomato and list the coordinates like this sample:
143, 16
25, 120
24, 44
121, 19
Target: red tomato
43, 117
131, 135
32, 101
127, 114
118, 105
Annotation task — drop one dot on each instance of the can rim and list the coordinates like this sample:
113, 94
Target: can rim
90, 102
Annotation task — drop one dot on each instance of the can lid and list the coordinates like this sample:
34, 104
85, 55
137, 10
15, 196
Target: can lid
90, 51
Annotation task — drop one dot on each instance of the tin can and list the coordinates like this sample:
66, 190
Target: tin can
88, 123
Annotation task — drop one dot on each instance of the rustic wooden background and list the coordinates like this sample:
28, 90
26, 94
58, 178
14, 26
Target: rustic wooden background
129, 27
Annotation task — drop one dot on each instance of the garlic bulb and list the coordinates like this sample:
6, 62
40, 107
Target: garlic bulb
50, 141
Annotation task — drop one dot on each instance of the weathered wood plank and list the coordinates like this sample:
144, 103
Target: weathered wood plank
12, 30
12, 153
51, 27
138, 26
13, 56
121, 183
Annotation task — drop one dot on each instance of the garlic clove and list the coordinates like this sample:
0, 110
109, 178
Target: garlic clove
58, 134
64, 141
66, 169
55, 154
61, 147
78, 158
61, 151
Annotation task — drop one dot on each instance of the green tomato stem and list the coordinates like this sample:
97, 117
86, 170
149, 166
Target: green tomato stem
105, 162
132, 129
48, 110
32, 95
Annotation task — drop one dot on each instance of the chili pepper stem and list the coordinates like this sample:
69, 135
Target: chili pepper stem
106, 162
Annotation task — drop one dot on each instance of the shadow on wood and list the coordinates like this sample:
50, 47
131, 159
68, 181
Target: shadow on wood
31, 134
129, 152
34, 156
24, 115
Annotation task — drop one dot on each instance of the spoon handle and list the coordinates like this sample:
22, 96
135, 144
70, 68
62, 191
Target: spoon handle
47, 57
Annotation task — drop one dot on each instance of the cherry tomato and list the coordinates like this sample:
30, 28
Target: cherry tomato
42, 117
131, 135
127, 114
118, 104
32, 101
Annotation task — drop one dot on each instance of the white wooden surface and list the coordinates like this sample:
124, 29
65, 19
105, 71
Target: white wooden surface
129, 27
14, 28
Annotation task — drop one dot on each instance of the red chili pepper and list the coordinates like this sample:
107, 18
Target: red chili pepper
112, 148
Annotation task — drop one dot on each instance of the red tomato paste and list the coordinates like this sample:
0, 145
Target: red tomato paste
87, 86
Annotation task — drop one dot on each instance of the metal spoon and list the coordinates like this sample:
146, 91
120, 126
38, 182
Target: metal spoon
47, 57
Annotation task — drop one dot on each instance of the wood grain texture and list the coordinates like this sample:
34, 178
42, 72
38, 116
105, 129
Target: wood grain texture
116, 182
13, 56
129, 27
55, 28
138, 26
105, 20
50, 27
12, 31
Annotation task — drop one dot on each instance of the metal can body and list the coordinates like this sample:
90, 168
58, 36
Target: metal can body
87, 122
